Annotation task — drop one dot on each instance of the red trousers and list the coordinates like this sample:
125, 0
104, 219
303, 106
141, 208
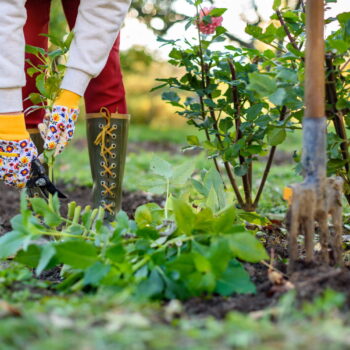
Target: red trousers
106, 90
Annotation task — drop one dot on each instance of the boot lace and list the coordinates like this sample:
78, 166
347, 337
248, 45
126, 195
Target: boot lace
102, 140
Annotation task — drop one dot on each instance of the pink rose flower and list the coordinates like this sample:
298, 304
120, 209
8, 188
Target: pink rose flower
208, 28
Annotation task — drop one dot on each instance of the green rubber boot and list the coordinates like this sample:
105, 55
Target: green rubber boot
107, 136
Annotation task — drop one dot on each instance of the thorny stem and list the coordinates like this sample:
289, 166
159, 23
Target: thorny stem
247, 182
269, 163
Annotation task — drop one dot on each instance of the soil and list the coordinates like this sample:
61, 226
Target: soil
9, 201
309, 280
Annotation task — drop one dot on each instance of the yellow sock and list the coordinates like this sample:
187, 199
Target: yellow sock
67, 98
13, 127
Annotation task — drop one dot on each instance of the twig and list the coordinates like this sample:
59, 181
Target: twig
269, 162
286, 29
319, 278
337, 117
237, 107
344, 65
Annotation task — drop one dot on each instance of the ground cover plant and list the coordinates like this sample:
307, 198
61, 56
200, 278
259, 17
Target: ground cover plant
188, 263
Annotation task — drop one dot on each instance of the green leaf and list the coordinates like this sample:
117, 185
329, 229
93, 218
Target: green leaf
116, 253
42, 208
40, 84
248, 248
278, 97
276, 136
152, 286
201, 263
262, 84
170, 96
143, 216
175, 53
95, 273
183, 172
77, 254
235, 280
47, 253
193, 140
184, 216
219, 256
217, 12
161, 167
224, 221
29, 257
10, 243
276, 4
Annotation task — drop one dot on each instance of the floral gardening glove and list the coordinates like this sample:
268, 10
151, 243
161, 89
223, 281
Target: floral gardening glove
58, 126
16, 151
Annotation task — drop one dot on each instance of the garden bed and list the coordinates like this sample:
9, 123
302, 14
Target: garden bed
309, 280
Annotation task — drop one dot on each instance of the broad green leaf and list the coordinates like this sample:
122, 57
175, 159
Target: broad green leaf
184, 216
183, 172
183, 264
77, 254
219, 256
193, 140
143, 216
277, 98
224, 221
201, 263
262, 84
247, 248
95, 273
217, 12
152, 286
10, 243
161, 167
253, 218
116, 253
29, 257
41, 207
47, 253
235, 280
276, 136
276, 4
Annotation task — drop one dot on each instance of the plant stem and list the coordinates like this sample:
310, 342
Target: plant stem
167, 198
246, 178
283, 114
286, 29
337, 116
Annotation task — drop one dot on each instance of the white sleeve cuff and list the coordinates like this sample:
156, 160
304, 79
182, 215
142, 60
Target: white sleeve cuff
11, 100
76, 80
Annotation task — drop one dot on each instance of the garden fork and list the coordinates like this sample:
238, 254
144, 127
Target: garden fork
318, 196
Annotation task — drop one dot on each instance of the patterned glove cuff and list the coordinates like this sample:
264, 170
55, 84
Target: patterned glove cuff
13, 127
68, 99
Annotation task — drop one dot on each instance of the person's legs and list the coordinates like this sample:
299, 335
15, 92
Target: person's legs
107, 126
38, 17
